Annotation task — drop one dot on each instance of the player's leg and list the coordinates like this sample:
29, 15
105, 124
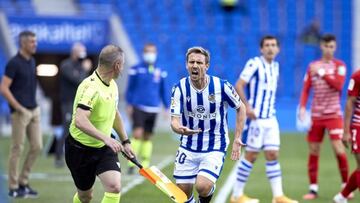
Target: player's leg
335, 127
80, 162
209, 171
185, 172
354, 180
254, 142
314, 138
147, 145
111, 183
83, 196
205, 189
108, 171
271, 148
137, 135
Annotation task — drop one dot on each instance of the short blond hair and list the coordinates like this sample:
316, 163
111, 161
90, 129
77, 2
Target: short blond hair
199, 50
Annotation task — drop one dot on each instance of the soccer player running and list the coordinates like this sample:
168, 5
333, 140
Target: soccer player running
326, 77
199, 106
352, 135
90, 151
261, 76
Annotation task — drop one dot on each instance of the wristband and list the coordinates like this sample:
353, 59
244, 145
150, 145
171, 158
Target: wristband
127, 141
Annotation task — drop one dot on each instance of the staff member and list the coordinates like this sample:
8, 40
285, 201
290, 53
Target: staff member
19, 88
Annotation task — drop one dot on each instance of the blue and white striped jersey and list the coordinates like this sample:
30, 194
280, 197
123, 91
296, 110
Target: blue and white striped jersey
205, 109
262, 79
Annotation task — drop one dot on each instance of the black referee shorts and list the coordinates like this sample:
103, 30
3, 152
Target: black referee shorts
85, 162
144, 120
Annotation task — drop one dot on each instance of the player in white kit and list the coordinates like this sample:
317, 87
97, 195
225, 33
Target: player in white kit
260, 77
199, 106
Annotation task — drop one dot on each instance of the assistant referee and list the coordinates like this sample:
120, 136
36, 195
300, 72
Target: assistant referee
89, 149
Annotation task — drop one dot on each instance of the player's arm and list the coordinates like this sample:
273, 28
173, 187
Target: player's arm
176, 110
234, 101
353, 92
83, 123
120, 130
335, 81
240, 86
164, 90
240, 121
349, 109
129, 95
304, 95
180, 129
5, 91
248, 72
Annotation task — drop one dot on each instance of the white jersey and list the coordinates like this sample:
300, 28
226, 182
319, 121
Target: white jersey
262, 79
206, 110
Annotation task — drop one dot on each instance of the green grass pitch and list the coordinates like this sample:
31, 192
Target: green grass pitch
56, 186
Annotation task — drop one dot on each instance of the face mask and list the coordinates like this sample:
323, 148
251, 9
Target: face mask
150, 57
82, 55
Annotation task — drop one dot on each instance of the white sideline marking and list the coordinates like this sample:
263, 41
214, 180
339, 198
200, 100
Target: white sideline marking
227, 186
63, 177
138, 180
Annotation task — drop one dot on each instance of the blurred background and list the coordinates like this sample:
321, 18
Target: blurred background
230, 31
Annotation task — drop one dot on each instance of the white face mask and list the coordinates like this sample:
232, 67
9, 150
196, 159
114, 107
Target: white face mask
150, 57
82, 54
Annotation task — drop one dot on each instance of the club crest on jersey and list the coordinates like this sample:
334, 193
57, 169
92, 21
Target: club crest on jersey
212, 98
200, 109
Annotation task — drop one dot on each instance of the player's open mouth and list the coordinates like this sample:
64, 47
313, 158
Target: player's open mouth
195, 72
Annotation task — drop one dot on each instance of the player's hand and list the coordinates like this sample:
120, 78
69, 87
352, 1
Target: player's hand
236, 149
250, 113
113, 144
302, 113
346, 139
128, 150
187, 131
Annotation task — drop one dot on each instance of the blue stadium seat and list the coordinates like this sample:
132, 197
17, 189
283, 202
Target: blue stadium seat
234, 37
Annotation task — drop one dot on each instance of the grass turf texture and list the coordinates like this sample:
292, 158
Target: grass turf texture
56, 186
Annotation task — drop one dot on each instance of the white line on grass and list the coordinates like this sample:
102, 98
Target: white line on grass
64, 177
227, 186
138, 180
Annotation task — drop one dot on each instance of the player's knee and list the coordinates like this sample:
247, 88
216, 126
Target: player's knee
114, 188
203, 189
251, 156
138, 133
271, 155
85, 197
314, 149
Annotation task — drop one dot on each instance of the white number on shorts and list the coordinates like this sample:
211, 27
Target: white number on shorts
353, 139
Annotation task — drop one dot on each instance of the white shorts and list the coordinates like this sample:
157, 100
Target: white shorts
262, 134
188, 165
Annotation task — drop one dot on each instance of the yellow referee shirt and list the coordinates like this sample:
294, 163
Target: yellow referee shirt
101, 99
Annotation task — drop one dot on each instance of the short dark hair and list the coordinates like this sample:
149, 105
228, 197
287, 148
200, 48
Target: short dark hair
25, 34
267, 37
149, 44
328, 38
109, 54
199, 50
